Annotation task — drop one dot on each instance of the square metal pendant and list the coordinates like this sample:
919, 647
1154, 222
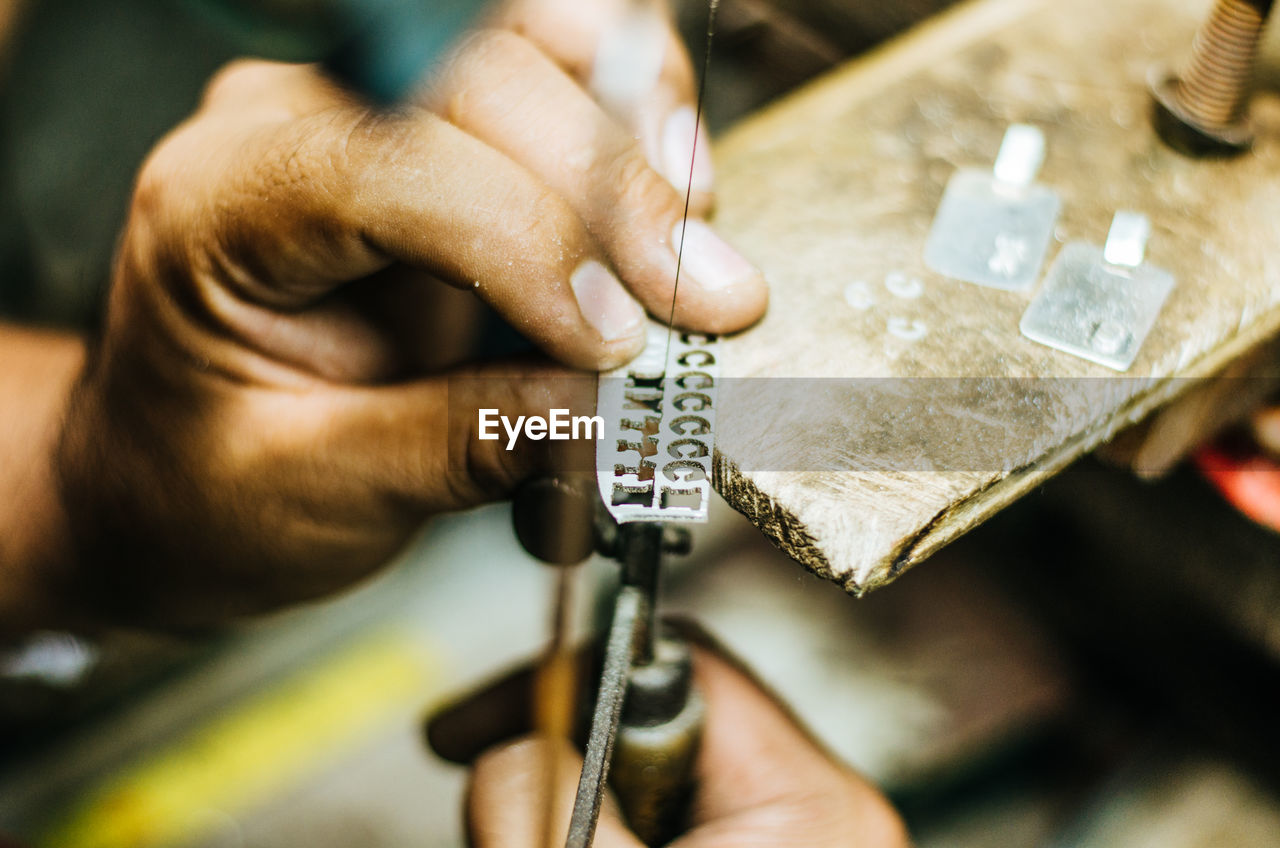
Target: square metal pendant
1100, 303
993, 228
991, 233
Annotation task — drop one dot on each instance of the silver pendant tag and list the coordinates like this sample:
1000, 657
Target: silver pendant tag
654, 463
1100, 303
993, 228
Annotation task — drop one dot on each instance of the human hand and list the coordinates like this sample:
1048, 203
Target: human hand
1245, 468
271, 410
761, 781
1266, 430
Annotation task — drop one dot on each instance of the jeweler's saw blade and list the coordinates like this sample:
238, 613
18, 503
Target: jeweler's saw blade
654, 463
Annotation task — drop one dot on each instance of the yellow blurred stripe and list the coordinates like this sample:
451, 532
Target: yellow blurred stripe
262, 745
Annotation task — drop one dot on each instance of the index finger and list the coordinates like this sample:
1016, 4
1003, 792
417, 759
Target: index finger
630, 57
293, 206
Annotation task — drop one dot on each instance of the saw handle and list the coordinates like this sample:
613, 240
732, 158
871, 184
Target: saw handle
657, 744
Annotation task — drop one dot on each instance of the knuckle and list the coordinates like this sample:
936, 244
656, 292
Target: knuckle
640, 191
362, 141
149, 187
492, 41
161, 179
324, 145
234, 80
475, 472
549, 221
483, 72
492, 47
314, 166
540, 229
490, 473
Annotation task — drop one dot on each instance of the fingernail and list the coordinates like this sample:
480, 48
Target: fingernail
709, 259
679, 153
604, 302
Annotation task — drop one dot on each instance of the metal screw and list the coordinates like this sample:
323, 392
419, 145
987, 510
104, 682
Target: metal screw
1204, 113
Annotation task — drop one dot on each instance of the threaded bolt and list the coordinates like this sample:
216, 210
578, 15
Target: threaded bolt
1205, 112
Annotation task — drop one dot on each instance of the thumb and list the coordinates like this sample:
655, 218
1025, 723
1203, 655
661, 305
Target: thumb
425, 445
764, 780
521, 794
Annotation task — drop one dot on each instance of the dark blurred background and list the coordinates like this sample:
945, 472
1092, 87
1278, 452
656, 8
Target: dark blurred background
91, 86
1097, 666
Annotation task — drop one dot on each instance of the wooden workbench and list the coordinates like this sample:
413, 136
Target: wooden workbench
832, 193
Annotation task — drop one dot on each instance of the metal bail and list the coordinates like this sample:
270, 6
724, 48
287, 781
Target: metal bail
1021, 155
1127, 241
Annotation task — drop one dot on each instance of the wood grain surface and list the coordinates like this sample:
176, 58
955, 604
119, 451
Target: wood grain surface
880, 410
